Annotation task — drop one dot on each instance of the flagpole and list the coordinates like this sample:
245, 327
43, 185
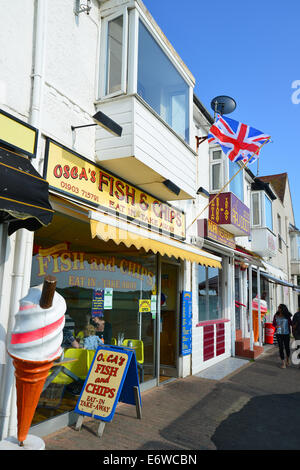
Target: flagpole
228, 182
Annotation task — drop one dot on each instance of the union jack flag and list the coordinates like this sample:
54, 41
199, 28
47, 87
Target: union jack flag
238, 141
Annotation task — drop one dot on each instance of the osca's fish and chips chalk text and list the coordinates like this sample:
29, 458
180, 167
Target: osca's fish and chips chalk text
103, 382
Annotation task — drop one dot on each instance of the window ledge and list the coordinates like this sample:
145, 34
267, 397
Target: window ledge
262, 227
138, 97
212, 322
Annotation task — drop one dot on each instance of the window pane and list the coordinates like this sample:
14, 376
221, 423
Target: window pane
279, 223
268, 212
202, 293
255, 209
237, 184
114, 55
214, 294
279, 232
161, 86
216, 155
216, 176
209, 294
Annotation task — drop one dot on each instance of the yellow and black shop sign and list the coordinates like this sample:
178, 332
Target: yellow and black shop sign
73, 175
17, 134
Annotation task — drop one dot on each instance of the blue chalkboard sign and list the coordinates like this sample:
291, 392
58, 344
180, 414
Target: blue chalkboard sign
186, 324
112, 377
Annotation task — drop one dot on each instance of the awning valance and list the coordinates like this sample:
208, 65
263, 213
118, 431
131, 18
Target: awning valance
107, 228
23, 194
276, 280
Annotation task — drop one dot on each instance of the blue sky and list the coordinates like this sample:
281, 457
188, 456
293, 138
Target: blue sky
250, 51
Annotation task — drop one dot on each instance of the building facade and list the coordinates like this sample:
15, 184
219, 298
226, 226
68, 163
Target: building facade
116, 230
132, 221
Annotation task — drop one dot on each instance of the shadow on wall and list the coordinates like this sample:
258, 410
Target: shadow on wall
269, 422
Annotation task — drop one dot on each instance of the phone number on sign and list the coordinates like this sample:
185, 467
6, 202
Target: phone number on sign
74, 189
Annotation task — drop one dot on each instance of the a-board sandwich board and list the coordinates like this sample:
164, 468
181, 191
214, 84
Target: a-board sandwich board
112, 378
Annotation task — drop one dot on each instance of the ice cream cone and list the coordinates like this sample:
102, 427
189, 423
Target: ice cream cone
34, 345
30, 379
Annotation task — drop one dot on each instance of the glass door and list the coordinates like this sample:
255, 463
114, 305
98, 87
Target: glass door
169, 320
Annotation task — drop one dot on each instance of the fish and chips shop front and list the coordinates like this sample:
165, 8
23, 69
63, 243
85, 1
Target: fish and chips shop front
118, 255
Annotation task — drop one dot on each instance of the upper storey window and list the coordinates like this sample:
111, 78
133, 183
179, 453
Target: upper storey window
114, 55
161, 85
134, 59
113, 61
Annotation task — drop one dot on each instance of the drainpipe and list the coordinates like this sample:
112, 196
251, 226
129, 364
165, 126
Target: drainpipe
24, 238
232, 307
250, 297
9, 425
7, 260
259, 306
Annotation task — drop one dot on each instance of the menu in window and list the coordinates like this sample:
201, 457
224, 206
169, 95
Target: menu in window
186, 324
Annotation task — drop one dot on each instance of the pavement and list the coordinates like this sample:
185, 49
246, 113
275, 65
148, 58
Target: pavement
253, 406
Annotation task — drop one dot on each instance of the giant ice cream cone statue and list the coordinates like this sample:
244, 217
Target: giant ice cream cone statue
34, 345
263, 311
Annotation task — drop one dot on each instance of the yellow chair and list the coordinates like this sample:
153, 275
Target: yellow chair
74, 370
90, 357
138, 347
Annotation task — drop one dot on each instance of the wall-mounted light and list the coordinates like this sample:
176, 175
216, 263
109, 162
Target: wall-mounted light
203, 192
80, 8
172, 187
101, 119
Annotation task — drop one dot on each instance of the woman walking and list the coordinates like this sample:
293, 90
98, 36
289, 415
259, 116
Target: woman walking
282, 322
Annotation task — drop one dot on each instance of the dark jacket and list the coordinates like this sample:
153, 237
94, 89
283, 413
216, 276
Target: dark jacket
106, 335
296, 323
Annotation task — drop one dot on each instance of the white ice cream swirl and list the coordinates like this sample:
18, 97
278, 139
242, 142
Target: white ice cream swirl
37, 333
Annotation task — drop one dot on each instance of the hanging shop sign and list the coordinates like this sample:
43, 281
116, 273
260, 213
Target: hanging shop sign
112, 377
210, 230
186, 324
231, 213
17, 134
73, 175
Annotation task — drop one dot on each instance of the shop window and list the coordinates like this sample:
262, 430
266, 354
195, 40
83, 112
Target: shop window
83, 267
210, 301
161, 85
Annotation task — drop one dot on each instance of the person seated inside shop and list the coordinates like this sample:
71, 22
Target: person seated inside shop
69, 340
103, 329
91, 340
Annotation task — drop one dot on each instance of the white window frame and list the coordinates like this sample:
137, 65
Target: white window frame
156, 37
220, 162
103, 55
260, 215
243, 179
279, 231
264, 212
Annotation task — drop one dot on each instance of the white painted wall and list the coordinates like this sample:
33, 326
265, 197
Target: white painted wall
16, 31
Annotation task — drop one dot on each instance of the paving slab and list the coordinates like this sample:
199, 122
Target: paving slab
254, 406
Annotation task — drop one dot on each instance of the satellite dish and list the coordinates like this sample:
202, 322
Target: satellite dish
223, 104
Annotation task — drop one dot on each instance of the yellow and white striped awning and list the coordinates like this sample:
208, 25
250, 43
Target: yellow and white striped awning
109, 228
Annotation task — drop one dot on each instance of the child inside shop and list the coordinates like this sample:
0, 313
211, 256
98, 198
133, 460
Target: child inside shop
91, 340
